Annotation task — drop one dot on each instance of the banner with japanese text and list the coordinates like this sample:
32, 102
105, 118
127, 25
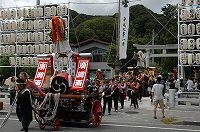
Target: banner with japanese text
40, 75
124, 26
81, 74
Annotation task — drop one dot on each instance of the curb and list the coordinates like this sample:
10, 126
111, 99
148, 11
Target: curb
194, 123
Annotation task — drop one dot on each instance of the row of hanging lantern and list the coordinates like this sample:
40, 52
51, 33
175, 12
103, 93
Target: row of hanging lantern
34, 12
27, 49
189, 29
28, 25
32, 61
188, 2
189, 44
190, 14
25, 37
190, 58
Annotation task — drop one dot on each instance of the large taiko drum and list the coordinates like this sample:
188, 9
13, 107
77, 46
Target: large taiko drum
183, 58
190, 59
191, 44
59, 84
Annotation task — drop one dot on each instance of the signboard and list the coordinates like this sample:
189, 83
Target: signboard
41, 72
81, 74
124, 26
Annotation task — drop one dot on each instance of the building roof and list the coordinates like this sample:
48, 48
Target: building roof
89, 41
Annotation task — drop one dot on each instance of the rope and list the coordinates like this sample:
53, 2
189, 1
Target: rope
8, 114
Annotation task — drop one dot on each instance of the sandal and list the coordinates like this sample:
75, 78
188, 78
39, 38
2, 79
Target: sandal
155, 117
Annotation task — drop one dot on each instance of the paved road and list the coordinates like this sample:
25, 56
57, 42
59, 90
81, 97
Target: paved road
126, 119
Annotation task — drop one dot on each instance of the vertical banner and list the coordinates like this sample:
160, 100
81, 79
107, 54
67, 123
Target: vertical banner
124, 25
81, 74
41, 72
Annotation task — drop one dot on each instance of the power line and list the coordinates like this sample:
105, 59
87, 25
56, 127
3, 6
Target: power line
102, 2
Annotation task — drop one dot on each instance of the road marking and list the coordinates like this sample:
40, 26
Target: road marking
188, 130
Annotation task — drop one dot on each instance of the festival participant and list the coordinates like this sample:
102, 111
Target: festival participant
122, 92
12, 90
30, 84
135, 90
24, 108
115, 95
107, 98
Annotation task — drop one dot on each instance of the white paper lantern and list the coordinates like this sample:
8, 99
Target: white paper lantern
40, 36
47, 11
32, 12
184, 14
29, 49
52, 47
64, 10
46, 48
24, 61
40, 11
24, 49
191, 44
24, 37
36, 36
12, 37
8, 14
30, 61
183, 58
33, 37
35, 61
35, 24
18, 61
35, 12
13, 25
12, 49
183, 29
19, 25
48, 23
65, 61
41, 48
19, 13
2, 49
53, 11
190, 2
190, 59
23, 25
7, 49
4, 12
30, 25
4, 38
4, 25
19, 37
12, 61
198, 43
191, 29
59, 10
13, 13
35, 49
197, 13
182, 2
40, 24
197, 58
25, 11
66, 22
18, 49
198, 2
8, 38
29, 36
191, 14
29, 13
8, 25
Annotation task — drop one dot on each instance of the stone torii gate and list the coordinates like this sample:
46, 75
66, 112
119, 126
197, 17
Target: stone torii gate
163, 47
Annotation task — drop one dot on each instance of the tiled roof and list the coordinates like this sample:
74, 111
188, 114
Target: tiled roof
89, 41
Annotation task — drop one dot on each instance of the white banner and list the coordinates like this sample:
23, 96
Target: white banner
124, 25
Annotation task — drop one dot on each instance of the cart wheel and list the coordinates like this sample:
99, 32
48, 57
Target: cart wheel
96, 113
56, 124
37, 117
42, 125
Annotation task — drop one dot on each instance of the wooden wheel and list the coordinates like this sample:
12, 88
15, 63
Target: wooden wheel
42, 125
96, 113
56, 124
37, 117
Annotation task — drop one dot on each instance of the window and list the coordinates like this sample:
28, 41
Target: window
97, 55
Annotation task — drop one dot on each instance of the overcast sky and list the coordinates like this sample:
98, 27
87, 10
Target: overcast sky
92, 9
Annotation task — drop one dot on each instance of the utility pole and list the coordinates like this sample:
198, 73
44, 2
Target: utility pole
117, 62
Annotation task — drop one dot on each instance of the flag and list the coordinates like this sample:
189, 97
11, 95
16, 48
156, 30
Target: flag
124, 25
